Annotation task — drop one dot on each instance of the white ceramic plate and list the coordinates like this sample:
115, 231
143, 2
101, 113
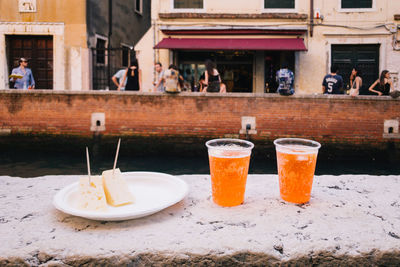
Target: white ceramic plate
152, 192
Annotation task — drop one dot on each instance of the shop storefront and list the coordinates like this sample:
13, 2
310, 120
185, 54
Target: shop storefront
246, 62
234, 66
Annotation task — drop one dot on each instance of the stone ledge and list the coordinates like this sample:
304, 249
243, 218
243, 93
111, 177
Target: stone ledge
40, 93
350, 220
178, 15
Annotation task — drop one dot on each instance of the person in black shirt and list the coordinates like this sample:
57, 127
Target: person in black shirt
212, 81
382, 86
332, 82
133, 75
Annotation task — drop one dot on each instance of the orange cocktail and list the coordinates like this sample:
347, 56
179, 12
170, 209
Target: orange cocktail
296, 160
229, 166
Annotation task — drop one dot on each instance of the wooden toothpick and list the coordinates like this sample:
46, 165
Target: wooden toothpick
116, 156
88, 164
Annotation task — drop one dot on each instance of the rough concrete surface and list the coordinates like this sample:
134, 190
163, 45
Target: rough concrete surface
350, 221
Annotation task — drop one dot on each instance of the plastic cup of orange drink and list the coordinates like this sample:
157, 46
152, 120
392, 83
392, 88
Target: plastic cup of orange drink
296, 160
229, 165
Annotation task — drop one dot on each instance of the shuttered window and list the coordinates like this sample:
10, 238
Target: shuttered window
356, 3
366, 57
279, 3
138, 6
188, 4
101, 51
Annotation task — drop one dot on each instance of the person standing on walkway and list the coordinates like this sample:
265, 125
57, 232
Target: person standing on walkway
382, 86
355, 82
133, 75
22, 76
117, 79
159, 83
171, 79
285, 79
212, 79
332, 82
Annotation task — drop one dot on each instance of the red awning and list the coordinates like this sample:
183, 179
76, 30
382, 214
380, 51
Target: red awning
293, 44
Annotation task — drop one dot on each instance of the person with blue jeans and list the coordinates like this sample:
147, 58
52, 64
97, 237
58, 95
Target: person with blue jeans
285, 79
27, 81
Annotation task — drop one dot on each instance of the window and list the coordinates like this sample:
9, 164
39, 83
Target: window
187, 4
356, 3
138, 6
278, 4
100, 51
125, 52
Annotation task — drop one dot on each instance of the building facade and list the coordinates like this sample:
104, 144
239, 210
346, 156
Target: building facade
111, 46
250, 40
61, 39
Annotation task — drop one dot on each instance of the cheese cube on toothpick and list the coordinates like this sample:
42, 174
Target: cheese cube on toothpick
91, 194
116, 188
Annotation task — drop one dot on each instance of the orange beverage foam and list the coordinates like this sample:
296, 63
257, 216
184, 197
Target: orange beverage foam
296, 172
228, 172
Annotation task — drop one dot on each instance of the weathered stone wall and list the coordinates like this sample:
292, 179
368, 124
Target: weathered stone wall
350, 221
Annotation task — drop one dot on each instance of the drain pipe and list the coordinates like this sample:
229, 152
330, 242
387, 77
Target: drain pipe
248, 128
155, 59
110, 19
311, 17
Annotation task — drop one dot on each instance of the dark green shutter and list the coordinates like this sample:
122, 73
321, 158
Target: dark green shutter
188, 3
356, 3
366, 57
278, 3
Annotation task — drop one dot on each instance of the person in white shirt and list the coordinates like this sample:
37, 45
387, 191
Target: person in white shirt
117, 78
159, 83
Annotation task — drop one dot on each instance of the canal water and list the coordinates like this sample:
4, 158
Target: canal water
27, 163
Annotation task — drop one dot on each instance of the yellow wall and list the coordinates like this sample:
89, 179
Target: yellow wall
71, 12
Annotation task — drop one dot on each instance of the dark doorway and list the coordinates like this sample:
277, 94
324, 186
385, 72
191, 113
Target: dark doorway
39, 51
273, 62
235, 67
366, 57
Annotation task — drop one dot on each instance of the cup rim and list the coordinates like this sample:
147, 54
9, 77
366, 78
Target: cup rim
251, 145
315, 144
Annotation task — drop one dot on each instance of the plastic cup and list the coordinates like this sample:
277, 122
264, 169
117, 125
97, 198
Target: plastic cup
229, 166
296, 159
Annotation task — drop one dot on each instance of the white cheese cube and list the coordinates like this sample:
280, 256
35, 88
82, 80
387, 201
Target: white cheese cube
116, 188
91, 195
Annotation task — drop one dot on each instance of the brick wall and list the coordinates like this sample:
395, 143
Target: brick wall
327, 119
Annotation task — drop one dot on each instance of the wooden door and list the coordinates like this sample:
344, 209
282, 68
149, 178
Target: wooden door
39, 51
